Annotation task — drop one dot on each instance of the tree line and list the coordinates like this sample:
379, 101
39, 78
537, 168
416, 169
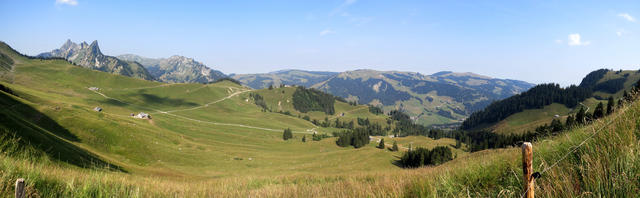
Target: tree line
305, 100
535, 98
481, 140
422, 157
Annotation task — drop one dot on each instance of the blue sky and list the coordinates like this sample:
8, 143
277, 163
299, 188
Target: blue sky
535, 41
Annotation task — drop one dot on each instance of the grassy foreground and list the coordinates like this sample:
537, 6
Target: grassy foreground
605, 166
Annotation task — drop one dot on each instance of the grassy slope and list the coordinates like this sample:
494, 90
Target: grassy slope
632, 77
279, 99
191, 141
607, 165
529, 119
172, 156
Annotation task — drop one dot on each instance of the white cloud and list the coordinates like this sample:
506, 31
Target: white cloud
627, 17
621, 32
558, 41
342, 7
67, 2
327, 31
576, 40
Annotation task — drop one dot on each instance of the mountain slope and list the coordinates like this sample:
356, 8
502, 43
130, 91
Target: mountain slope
91, 57
286, 77
441, 98
176, 69
541, 104
198, 131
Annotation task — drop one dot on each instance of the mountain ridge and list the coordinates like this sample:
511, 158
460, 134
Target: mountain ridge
90, 56
176, 69
440, 98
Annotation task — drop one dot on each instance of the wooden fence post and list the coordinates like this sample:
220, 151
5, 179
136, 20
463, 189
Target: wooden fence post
20, 188
527, 169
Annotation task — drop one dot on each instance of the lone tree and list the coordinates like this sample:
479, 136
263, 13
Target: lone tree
381, 145
304, 138
580, 116
599, 112
287, 134
610, 105
395, 146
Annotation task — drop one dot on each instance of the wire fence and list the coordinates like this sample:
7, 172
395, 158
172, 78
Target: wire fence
574, 148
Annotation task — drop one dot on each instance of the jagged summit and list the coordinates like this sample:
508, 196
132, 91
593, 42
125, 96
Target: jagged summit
176, 69
90, 56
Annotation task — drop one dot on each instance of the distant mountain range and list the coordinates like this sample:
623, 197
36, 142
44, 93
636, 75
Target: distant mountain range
440, 98
90, 56
175, 69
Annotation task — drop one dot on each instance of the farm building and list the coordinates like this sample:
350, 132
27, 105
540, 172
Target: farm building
143, 115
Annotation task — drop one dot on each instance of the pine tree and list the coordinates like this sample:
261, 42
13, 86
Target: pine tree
381, 145
580, 116
304, 138
599, 111
570, 122
288, 134
458, 144
620, 103
626, 96
610, 105
556, 125
395, 146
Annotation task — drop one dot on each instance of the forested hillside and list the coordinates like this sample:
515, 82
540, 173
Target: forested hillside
599, 84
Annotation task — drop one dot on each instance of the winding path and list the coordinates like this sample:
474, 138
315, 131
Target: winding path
201, 106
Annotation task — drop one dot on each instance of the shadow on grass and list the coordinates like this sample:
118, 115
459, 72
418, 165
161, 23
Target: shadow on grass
150, 99
37, 130
396, 162
113, 102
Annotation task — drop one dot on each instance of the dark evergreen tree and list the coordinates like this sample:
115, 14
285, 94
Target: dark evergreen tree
458, 144
304, 138
580, 116
381, 145
620, 103
288, 134
395, 146
570, 122
599, 111
610, 105
626, 96
556, 125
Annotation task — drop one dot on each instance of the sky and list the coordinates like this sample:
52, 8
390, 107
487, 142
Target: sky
534, 41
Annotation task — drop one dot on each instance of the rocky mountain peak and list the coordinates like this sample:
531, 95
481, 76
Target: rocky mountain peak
68, 45
94, 48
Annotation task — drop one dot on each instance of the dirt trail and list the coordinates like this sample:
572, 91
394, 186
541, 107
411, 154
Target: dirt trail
202, 121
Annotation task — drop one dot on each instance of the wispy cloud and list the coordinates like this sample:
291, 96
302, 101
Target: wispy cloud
342, 7
621, 32
576, 40
627, 17
67, 2
326, 32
